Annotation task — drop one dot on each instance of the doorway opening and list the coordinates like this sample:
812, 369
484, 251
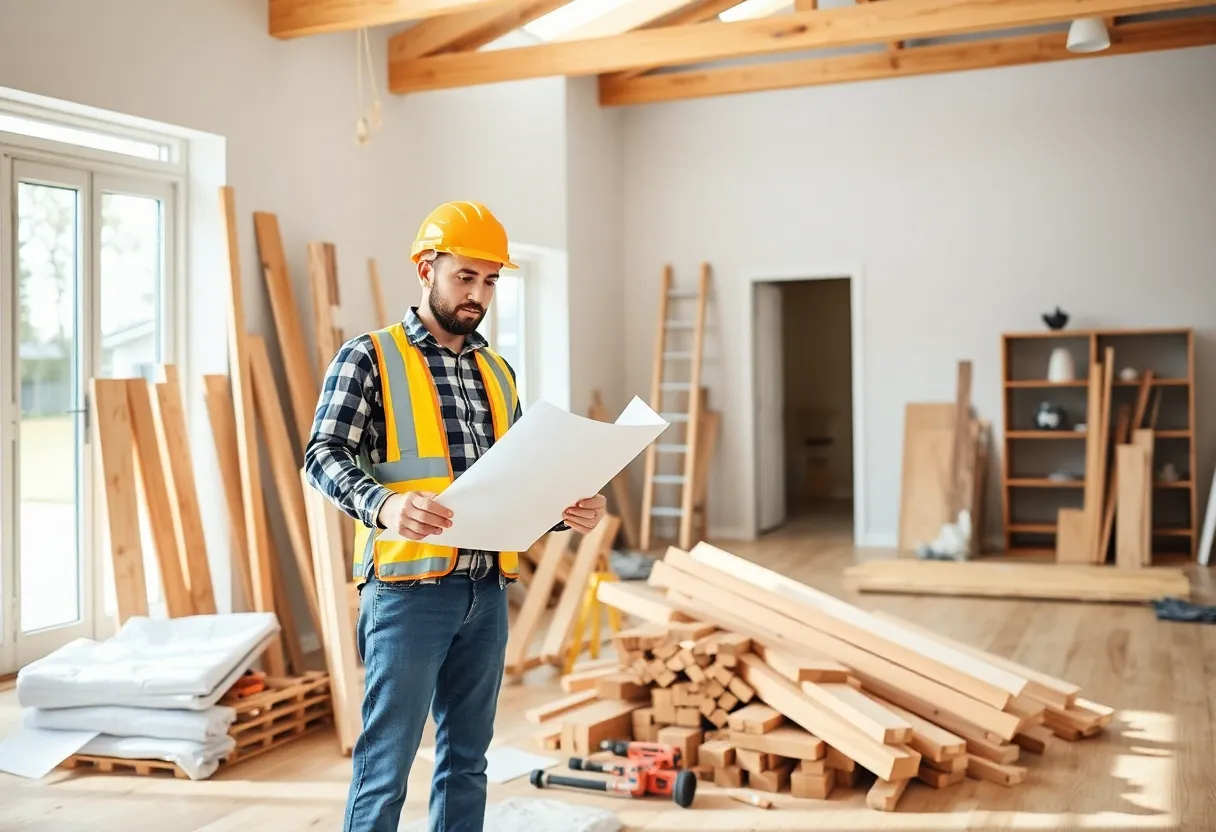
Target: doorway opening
805, 408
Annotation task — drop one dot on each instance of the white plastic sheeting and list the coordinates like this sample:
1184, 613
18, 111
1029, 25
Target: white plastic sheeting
124, 721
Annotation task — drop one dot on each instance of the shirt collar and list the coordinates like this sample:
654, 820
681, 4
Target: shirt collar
416, 332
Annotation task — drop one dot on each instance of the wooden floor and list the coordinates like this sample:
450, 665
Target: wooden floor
1155, 769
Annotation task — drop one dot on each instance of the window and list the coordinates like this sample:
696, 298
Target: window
88, 259
505, 324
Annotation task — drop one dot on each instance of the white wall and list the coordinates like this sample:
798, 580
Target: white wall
288, 111
971, 202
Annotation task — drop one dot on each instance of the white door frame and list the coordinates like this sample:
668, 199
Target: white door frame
856, 295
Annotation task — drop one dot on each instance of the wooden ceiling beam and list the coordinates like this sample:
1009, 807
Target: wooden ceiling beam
469, 30
920, 60
667, 46
630, 15
297, 18
705, 11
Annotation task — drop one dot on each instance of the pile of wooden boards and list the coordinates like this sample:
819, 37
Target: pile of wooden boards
842, 689
1118, 477
945, 462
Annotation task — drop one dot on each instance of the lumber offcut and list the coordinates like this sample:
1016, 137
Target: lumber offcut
1018, 580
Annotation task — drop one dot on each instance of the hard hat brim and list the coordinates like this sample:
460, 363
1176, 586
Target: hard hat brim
464, 251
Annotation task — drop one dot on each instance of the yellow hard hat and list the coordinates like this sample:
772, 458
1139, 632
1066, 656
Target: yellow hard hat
465, 228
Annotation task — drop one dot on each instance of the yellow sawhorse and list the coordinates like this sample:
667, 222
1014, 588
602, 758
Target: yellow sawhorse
589, 616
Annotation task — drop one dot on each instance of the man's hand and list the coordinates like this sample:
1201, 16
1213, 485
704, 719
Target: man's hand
586, 514
414, 515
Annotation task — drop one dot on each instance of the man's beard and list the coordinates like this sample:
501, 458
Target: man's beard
449, 319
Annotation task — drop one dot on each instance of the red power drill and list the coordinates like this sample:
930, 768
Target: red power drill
651, 768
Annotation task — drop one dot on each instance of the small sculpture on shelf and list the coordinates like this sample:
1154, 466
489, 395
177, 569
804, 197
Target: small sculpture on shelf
1057, 319
1050, 416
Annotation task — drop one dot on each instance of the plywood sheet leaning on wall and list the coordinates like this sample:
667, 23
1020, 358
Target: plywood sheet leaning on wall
927, 475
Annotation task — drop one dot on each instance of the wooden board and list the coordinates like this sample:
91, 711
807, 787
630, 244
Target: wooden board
519, 638
284, 469
217, 392
1094, 513
590, 549
337, 628
174, 440
1094, 453
927, 476
322, 277
1018, 580
1071, 535
302, 388
622, 498
803, 668
246, 432
963, 453
871, 718
1133, 539
640, 602
556, 708
378, 304
115, 445
154, 492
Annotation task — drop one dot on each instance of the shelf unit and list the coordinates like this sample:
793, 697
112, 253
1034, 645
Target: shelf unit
1030, 497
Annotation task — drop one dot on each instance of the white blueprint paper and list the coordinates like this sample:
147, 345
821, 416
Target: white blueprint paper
547, 461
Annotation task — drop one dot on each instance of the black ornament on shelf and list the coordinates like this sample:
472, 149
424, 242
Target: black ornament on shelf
1057, 319
1050, 416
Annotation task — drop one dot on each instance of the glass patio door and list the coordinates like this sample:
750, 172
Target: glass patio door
46, 512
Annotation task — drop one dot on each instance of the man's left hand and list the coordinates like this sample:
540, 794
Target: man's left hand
586, 514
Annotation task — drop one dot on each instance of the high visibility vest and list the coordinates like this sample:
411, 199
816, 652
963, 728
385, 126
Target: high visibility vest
418, 457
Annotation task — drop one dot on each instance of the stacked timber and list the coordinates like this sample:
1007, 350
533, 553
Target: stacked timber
832, 690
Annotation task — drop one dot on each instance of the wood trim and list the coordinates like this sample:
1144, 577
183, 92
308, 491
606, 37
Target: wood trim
297, 18
675, 45
250, 467
468, 30
617, 90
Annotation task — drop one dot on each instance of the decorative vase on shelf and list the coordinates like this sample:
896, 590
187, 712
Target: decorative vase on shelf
1060, 367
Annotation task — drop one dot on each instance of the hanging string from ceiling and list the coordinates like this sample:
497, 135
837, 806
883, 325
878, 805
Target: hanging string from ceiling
369, 119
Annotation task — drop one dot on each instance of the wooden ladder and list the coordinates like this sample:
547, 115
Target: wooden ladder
688, 389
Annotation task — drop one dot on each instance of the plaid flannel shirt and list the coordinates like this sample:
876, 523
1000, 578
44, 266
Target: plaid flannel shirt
349, 422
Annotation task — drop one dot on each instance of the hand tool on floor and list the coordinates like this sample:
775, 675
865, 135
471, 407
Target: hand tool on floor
654, 754
631, 780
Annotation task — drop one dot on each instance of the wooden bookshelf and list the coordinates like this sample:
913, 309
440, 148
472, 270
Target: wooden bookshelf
1031, 497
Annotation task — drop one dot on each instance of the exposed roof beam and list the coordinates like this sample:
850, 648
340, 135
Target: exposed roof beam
630, 15
845, 26
469, 30
296, 18
706, 10
920, 60
805, 5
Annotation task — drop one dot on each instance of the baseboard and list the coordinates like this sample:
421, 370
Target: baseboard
880, 540
730, 533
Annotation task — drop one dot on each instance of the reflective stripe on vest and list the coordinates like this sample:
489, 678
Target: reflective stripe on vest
418, 455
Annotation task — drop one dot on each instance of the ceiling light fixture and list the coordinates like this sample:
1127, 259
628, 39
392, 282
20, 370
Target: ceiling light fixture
1088, 34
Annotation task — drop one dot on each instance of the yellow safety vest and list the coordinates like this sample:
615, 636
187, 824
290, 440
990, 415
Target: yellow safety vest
418, 457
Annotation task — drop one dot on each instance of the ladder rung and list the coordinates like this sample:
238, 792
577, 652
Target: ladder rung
675, 385
674, 417
680, 325
678, 355
667, 511
672, 449
669, 479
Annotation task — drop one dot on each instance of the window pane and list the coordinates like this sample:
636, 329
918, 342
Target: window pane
84, 138
509, 300
131, 258
48, 270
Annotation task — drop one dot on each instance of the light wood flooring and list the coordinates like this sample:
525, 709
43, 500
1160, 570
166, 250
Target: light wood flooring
1155, 768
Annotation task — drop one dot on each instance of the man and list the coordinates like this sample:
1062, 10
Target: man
403, 412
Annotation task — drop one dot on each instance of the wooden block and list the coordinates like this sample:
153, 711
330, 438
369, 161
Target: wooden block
1034, 738
930, 740
720, 674
755, 719
845, 779
865, 714
690, 631
812, 766
664, 710
786, 741
801, 668
694, 672
686, 657
940, 779
626, 686
811, 786
558, 707
1133, 527
548, 738
643, 716
773, 780
665, 678
708, 706
731, 644
687, 740
979, 768
729, 777
949, 765
648, 733
688, 717
704, 661
666, 651
755, 761
884, 795
681, 696
717, 753
730, 662
741, 689
1070, 535
587, 680
704, 773
674, 664
719, 717
713, 688
585, 728
997, 752
728, 701
838, 761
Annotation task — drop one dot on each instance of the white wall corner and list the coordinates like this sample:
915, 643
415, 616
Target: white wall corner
880, 540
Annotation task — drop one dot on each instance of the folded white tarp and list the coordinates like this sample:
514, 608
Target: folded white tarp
199, 760
185, 663
124, 721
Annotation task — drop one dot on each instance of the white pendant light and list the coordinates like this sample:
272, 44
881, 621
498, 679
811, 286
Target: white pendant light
1088, 34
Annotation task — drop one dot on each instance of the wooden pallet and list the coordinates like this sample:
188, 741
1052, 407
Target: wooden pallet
288, 709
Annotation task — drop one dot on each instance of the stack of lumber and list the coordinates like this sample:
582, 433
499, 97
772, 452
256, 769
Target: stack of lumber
1072, 582
944, 466
834, 689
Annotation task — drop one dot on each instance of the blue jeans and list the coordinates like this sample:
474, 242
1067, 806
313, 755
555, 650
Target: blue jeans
427, 647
